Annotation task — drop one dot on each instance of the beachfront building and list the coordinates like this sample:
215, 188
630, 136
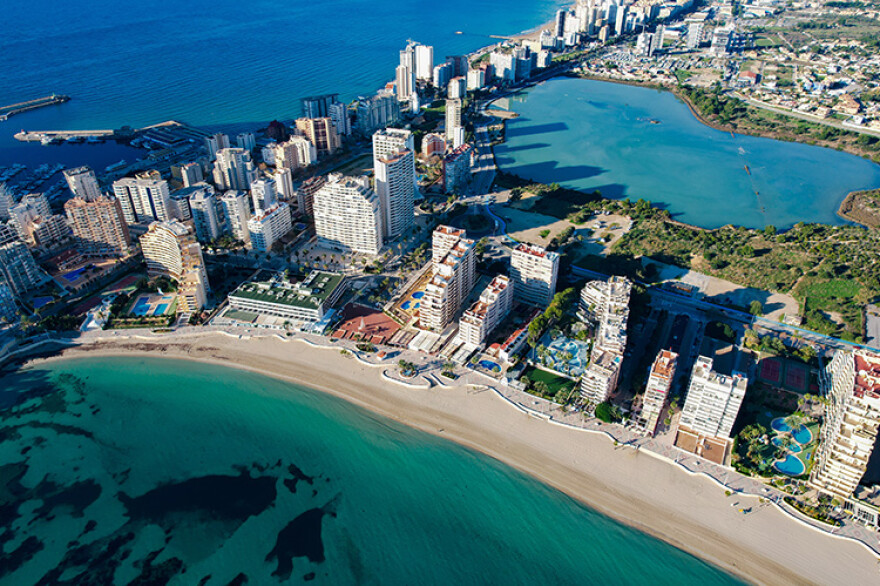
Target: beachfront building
305, 195
394, 167
449, 286
457, 168
98, 226
269, 226
237, 213
205, 212
246, 141
171, 250
601, 376
606, 303
347, 215
36, 225
215, 143
234, 169
83, 183
533, 271
339, 116
657, 390
852, 420
320, 132
379, 111
710, 409
17, 265
485, 314
283, 297
144, 198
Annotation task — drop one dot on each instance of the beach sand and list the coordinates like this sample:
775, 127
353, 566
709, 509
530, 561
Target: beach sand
690, 512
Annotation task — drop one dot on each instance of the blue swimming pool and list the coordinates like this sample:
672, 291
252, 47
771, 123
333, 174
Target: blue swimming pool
780, 425
73, 275
793, 448
406, 305
41, 301
141, 307
418, 294
792, 466
802, 435
161, 309
489, 365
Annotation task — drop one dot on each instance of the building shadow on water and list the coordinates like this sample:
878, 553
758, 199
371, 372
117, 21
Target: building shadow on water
516, 130
550, 171
525, 147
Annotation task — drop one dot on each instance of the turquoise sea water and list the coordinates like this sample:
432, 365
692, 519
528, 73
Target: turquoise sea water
119, 468
592, 135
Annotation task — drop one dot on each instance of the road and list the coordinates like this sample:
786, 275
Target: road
802, 116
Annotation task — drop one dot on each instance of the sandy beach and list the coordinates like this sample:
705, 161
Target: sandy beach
690, 512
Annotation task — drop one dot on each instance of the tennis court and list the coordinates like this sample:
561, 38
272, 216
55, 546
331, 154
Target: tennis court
770, 370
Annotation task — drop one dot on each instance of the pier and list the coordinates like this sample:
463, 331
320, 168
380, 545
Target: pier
13, 109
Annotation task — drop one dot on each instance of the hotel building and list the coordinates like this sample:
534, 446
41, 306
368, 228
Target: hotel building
306, 300
347, 215
657, 390
170, 249
533, 271
852, 419
710, 409
237, 213
98, 226
490, 310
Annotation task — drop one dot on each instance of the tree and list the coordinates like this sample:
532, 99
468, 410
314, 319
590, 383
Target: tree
755, 308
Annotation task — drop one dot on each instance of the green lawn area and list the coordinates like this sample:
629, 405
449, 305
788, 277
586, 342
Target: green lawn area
682, 75
846, 288
555, 383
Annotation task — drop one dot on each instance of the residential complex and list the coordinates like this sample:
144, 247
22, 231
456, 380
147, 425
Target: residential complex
17, 265
533, 271
282, 297
170, 249
457, 168
710, 409
144, 198
206, 213
82, 183
294, 154
234, 169
605, 303
305, 195
320, 132
852, 419
269, 226
99, 226
347, 215
490, 310
657, 390
237, 213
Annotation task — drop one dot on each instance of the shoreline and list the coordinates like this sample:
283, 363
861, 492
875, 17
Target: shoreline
680, 509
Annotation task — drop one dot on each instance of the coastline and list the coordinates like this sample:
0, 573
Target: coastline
637, 489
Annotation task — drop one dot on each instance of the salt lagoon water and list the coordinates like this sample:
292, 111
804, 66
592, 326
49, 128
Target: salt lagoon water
117, 468
637, 142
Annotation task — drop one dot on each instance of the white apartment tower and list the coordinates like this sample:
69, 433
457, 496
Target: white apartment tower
246, 141
191, 173
657, 390
534, 271
144, 198
490, 310
170, 249
713, 400
215, 143
263, 194
17, 265
7, 200
269, 226
453, 118
237, 213
83, 183
99, 226
424, 62
395, 172
852, 419
454, 277
295, 154
206, 216
347, 214
234, 169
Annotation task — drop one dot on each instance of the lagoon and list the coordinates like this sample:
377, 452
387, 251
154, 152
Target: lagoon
635, 142
123, 467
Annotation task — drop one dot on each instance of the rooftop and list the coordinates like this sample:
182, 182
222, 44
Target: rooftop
311, 292
535, 250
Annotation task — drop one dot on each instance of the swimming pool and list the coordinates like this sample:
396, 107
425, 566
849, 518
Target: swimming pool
489, 365
161, 309
141, 307
406, 305
74, 274
801, 435
418, 294
792, 466
793, 447
41, 301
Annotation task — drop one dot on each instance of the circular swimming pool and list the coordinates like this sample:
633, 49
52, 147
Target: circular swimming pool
418, 294
792, 466
405, 305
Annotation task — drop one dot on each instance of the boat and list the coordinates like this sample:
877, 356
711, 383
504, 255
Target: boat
45, 140
749, 171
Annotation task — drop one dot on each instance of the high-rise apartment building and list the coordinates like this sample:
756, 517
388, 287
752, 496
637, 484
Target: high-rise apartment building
852, 420
269, 226
395, 173
7, 200
146, 197
341, 119
205, 210
534, 271
246, 141
263, 194
484, 315
296, 153
347, 215
83, 183
283, 179
17, 265
305, 195
457, 168
216, 143
657, 389
191, 173
457, 89
234, 169
8, 306
453, 118
605, 303
442, 75
404, 78
99, 226
35, 224
710, 409
453, 278
237, 212
170, 249
318, 106
424, 62
379, 111
320, 132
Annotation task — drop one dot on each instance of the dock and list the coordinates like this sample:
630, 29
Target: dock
13, 109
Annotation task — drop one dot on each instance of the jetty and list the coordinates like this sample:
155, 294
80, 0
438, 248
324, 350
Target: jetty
13, 109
